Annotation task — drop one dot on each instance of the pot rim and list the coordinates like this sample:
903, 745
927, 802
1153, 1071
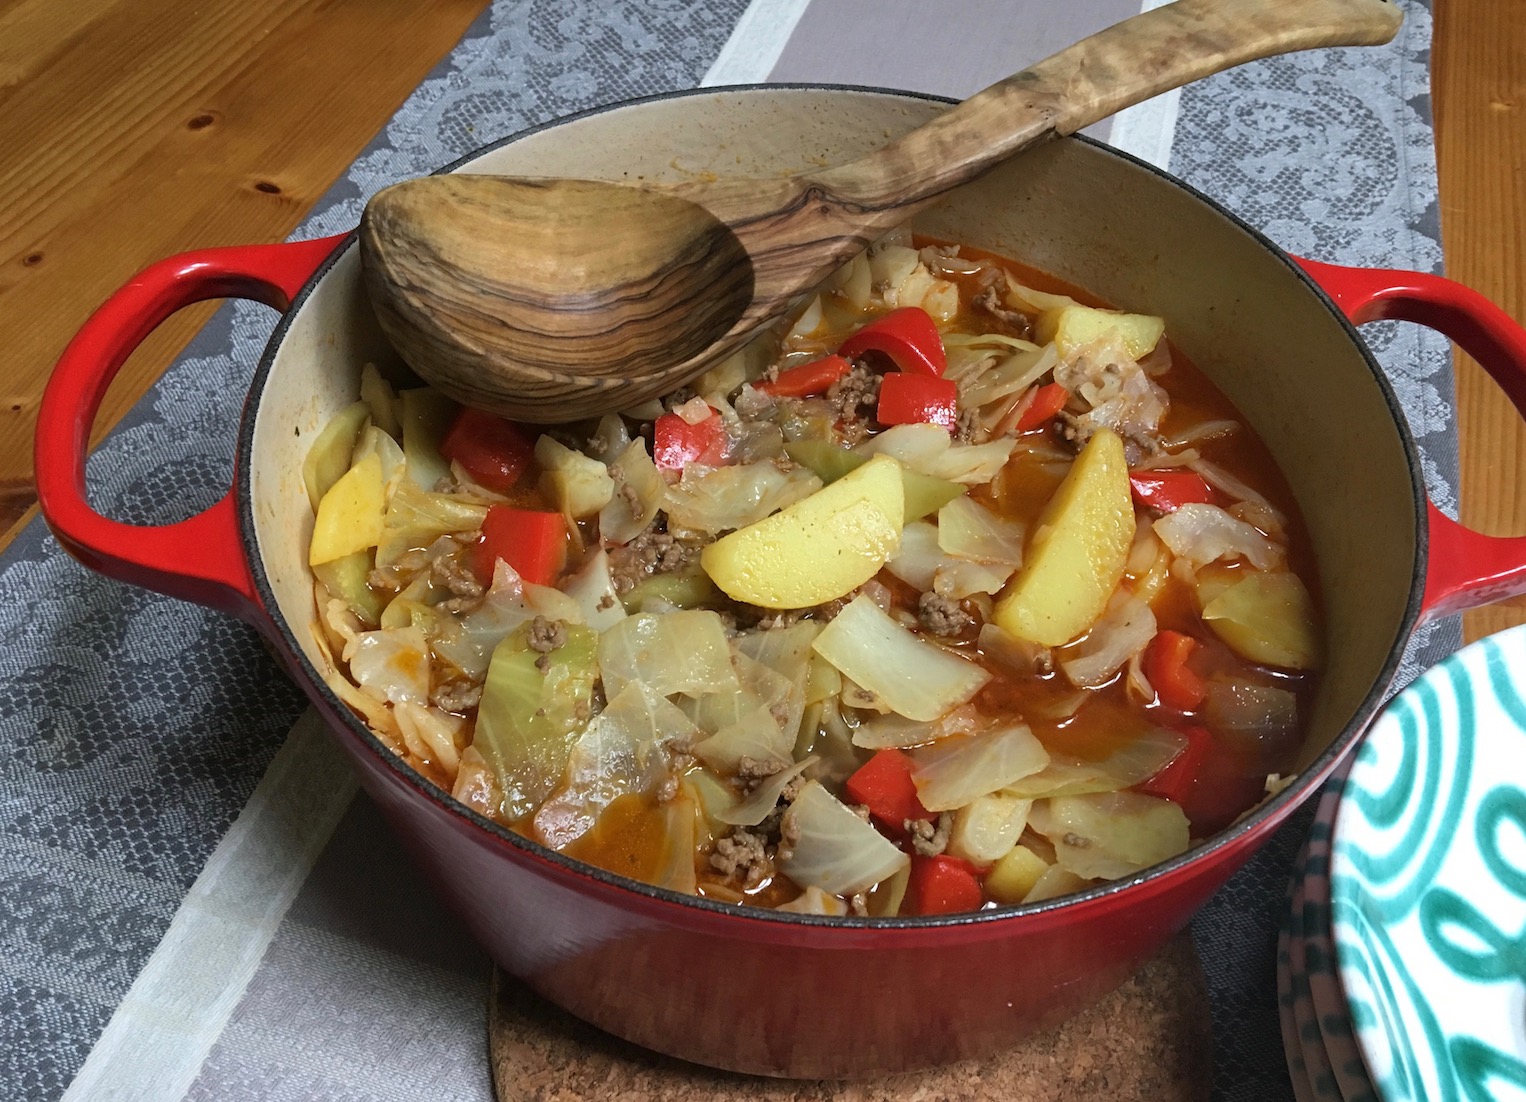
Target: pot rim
1264, 817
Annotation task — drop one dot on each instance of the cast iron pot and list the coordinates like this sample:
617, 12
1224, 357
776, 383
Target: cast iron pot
784, 994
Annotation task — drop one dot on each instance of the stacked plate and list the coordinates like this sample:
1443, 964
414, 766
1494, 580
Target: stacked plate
1402, 960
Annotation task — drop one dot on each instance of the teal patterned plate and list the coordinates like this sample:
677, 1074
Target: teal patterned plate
1428, 882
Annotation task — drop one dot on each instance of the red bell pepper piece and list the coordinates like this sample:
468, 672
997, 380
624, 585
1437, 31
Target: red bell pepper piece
907, 399
943, 885
676, 443
1168, 490
909, 336
492, 450
1206, 782
532, 542
1165, 665
815, 377
1047, 402
883, 784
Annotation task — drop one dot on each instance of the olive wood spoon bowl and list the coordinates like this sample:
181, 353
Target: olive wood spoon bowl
551, 300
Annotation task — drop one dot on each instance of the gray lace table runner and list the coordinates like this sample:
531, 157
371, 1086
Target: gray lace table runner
193, 903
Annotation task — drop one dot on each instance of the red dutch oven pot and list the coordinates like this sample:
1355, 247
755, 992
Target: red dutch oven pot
795, 995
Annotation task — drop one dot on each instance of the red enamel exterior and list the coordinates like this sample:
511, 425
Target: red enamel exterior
754, 992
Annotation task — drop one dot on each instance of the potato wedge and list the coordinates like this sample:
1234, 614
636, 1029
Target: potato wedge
350, 514
1072, 326
1078, 550
817, 549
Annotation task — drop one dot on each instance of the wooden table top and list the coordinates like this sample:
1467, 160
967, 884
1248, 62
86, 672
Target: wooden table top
125, 144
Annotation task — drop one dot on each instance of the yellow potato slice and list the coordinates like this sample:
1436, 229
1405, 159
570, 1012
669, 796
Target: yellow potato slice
1078, 550
818, 549
1072, 326
350, 514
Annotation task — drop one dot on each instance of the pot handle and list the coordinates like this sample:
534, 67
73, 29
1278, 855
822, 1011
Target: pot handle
200, 559
1464, 568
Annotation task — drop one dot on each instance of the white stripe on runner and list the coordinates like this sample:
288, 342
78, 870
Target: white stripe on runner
161, 1033
1147, 129
755, 45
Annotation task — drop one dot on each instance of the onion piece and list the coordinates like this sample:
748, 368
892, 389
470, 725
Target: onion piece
834, 849
955, 771
917, 679
987, 828
1111, 835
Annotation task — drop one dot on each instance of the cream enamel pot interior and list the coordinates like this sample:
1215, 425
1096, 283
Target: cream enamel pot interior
787, 994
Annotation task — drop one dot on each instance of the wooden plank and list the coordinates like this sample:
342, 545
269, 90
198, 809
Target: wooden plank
136, 129
1479, 88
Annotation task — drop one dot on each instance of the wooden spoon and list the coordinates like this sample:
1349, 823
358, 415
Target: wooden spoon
551, 300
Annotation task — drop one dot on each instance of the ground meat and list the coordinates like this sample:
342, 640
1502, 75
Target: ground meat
854, 398
941, 616
456, 696
452, 574
968, 429
1076, 841
678, 397
651, 552
547, 635
928, 838
751, 772
993, 301
742, 855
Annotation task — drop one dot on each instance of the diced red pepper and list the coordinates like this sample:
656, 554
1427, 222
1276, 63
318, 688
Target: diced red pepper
943, 885
676, 443
532, 542
909, 336
883, 784
492, 450
1166, 491
1047, 402
907, 399
815, 377
1165, 665
1206, 782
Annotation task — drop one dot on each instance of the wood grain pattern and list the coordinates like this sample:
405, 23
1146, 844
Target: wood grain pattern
135, 129
1479, 88
472, 280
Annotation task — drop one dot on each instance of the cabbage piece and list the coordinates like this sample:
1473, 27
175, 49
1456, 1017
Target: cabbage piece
754, 734
971, 531
578, 485
926, 448
719, 499
761, 721
1054, 882
1133, 763
431, 735
834, 849
960, 578
714, 798
785, 650
898, 732
426, 415
686, 589
677, 652
623, 751
675, 869
593, 588
1110, 835
610, 439
764, 798
532, 708
627, 515
330, 455
394, 463
392, 664
918, 558
416, 518
378, 394
1204, 533
467, 642
346, 578
1011, 375
954, 771
1267, 618
1125, 628
917, 679
987, 828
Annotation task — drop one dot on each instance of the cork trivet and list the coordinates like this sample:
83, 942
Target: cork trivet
1149, 1041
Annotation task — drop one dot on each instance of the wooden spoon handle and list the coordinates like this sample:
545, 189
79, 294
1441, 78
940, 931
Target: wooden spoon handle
1123, 65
